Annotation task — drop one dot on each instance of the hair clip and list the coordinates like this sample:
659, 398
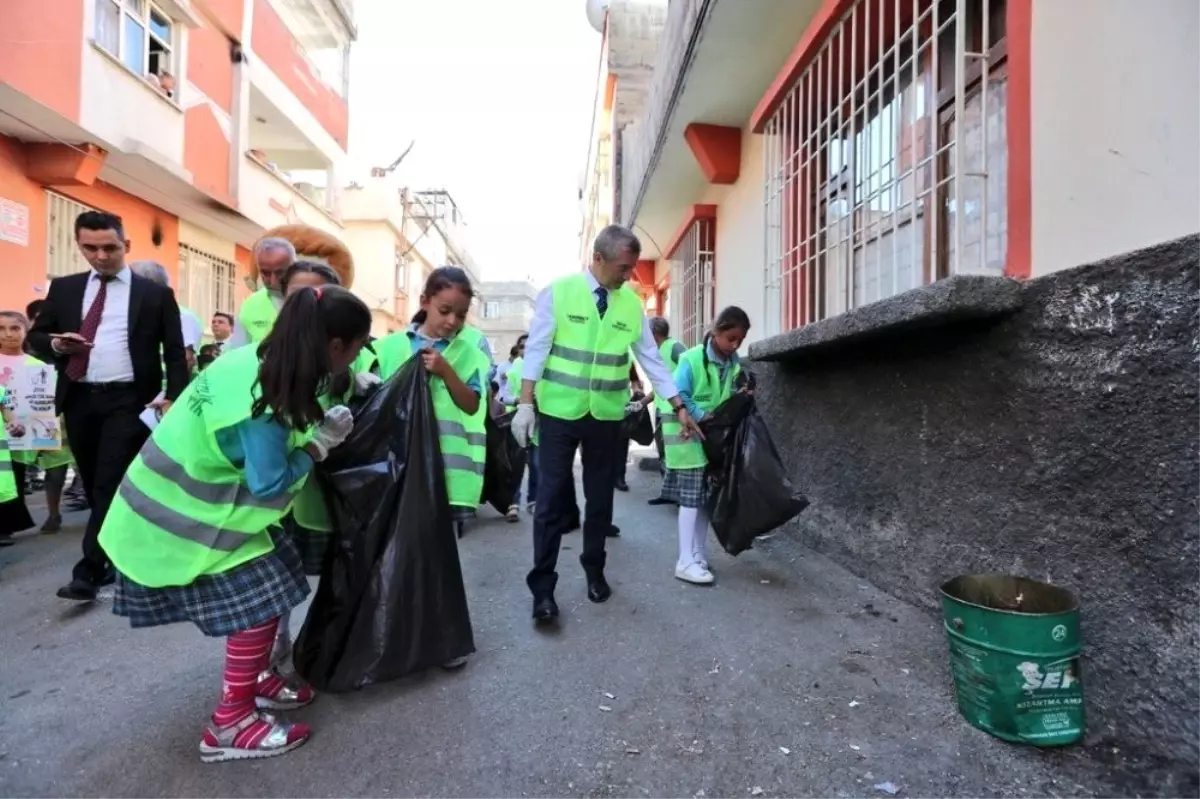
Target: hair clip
318, 291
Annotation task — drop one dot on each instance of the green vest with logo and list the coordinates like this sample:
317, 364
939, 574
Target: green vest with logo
587, 371
257, 315
708, 392
8, 481
666, 351
310, 509
183, 509
462, 437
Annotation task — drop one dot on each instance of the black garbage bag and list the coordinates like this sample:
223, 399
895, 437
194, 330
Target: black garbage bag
637, 426
391, 600
505, 463
749, 493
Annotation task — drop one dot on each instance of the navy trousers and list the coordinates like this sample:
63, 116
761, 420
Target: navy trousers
558, 441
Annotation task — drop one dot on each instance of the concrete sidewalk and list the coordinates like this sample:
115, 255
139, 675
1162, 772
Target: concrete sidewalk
790, 677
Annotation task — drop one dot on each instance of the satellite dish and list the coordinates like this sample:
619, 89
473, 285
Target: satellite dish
597, 10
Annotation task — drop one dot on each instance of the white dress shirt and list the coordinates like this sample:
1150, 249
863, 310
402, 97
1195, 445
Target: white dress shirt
109, 361
193, 332
541, 337
239, 337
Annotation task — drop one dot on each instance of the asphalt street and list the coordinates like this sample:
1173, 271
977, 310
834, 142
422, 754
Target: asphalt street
789, 677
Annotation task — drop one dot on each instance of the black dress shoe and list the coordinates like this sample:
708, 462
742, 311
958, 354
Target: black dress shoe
661, 501
598, 589
545, 609
613, 531
78, 591
622, 485
576, 524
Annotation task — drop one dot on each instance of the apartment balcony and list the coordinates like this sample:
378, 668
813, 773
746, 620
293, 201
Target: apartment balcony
303, 74
325, 23
715, 59
270, 196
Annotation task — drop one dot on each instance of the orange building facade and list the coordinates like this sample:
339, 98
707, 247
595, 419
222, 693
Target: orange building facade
201, 123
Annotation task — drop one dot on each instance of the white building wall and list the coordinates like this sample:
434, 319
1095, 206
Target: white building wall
1115, 105
741, 238
373, 245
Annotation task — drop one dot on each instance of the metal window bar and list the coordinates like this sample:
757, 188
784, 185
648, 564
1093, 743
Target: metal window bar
860, 172
693, 284
62, 254
206, 282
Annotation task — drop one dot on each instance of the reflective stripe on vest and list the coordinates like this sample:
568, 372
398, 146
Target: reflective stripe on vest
257, 315
587, 370
708, 392
183, 510
461, 438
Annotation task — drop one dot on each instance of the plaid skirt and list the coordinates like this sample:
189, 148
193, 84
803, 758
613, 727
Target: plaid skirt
222, 604
311, 544
685, 487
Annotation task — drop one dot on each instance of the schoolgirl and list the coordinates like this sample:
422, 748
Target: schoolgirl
309, 524
458, 358
706, 377
194, 529
14, 513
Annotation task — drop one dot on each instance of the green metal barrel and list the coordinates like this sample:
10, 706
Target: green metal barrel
1014, 654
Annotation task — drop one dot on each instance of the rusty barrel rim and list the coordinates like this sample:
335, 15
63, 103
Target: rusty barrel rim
975, 590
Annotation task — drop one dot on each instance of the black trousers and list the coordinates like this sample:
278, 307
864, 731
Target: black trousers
105, 434
622, 461
658, 442
558, 441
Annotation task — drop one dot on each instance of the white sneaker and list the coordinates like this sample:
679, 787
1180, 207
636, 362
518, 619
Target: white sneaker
693, 573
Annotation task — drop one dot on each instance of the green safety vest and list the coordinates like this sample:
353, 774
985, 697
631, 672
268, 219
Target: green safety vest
183, 509
462, 438
310, 509
8, 481
513, 378
257, 315
708, 391
587, 371
665, 351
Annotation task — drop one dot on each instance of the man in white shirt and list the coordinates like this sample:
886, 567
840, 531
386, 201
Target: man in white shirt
109, 333
615, 252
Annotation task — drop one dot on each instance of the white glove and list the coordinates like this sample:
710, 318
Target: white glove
333, 431
633, 408
365, 382
523, 423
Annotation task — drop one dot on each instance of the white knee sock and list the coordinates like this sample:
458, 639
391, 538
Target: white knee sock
700, 538
687, 534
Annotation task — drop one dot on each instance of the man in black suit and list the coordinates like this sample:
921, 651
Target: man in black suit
109, 333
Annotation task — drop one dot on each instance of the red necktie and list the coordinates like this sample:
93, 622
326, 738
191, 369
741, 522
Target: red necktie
77, 366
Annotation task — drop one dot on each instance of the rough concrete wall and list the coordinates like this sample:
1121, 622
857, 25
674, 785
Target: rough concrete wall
1059, 443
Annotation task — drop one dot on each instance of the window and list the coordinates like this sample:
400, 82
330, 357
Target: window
693, 294
491, 310
206, 283
863, 178
140, 35
62, 255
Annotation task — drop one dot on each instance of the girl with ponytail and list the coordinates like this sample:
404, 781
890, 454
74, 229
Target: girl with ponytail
194, 531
